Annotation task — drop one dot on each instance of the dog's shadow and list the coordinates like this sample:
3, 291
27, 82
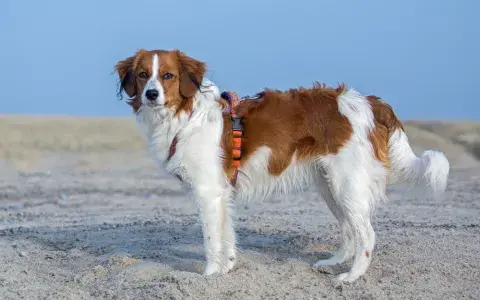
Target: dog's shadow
179, 246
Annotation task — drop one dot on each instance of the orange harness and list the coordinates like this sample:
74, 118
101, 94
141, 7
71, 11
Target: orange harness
237, 126
237, 130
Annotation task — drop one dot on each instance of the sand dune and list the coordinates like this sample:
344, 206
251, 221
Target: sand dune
26, 140
466, 134
29, 141
85, 214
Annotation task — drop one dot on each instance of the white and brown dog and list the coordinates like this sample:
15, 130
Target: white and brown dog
346, 145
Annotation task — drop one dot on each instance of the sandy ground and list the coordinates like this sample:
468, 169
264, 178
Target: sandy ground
93, 218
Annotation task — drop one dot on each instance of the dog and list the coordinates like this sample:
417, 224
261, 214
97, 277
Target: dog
345, 145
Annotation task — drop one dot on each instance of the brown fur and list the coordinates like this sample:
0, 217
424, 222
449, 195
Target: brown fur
385, 124
227, 146
379, 140
179, 90
302, 121
305, 121
383, 114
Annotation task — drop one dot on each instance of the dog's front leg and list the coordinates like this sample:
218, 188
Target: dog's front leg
228, 240
209, 201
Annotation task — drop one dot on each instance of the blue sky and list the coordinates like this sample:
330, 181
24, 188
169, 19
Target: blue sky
57, 57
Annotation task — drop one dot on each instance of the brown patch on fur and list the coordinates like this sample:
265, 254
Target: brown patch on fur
367, 254
379, 140
385, 124
305, 121
179, 90
227, 145
383, 114
191, 72
184, 106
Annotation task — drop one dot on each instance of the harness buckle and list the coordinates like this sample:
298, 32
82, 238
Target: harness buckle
237, 124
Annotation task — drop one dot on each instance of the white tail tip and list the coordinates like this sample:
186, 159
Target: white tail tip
427, 174
436, 169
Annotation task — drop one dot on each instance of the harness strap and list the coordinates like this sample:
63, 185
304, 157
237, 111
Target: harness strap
237, 131
173, 145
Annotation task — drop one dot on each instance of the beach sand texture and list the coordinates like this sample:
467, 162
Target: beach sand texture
86, 214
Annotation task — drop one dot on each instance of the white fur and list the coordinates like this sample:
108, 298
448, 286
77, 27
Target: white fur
154, 83
357, 182
200, 169
255, 182
351, 182
430, 171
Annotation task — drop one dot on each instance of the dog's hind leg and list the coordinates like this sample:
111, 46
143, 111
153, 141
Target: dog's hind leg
357, 181
365, 241
347, 247
355, 188
355, 198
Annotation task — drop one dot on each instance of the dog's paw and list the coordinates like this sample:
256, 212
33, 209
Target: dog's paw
325, 263
211, 269
347, 277
330, 259
229, 264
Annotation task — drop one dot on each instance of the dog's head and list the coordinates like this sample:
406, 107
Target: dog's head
160, 78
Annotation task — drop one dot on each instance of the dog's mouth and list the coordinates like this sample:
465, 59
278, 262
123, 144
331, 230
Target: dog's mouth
152, 104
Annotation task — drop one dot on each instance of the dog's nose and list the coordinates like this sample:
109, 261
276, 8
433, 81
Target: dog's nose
151, 94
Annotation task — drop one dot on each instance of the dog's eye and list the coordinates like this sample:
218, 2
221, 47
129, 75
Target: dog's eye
167, 76
143, 75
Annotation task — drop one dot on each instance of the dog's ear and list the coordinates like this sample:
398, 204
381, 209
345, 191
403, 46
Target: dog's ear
191, 74
128, 84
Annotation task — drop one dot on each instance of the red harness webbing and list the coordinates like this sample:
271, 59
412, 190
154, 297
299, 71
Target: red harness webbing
173, 145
